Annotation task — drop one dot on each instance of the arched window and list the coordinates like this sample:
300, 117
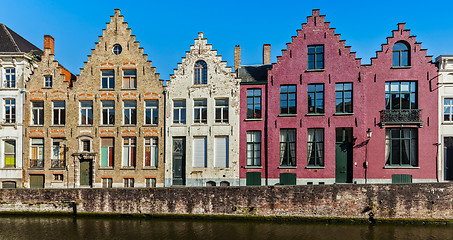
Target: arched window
401, 55
201, 73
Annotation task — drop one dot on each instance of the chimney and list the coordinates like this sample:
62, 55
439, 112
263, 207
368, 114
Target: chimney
237, 57
49, 43
266, 54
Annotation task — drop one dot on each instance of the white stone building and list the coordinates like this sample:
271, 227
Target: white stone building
202, 121
445, 84
16, 66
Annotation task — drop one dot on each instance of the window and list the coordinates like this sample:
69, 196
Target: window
150, 182
401, 147
129, 149
221, 152
343, 98
107, 151
37, 153
315, 98
107, 182
199, 152
130, 78
10, 80
48, 81
400, 95
130, 112
221, 110
254, 148
179, 111
108, 112
117, 49
86, 145
10, 153
58, 153
200, 73
37, 110
86, 112
315, 148
58, 177
108, 79
10, 110
152, 112
200, 111
151, 152
59, 117
128, 182
400, 55
448, 109
288, 147
253, 103
288, 99
316, 57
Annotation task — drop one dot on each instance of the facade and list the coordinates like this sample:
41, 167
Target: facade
445, 159
17, 61
202, 121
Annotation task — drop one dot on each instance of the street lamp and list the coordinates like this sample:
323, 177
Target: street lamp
369, 133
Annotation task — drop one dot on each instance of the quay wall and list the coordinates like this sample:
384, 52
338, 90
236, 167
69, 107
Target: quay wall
432, 201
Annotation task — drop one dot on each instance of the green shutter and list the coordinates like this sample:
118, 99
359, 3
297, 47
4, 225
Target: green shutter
401, 178
287, 179
253, 179
104, 156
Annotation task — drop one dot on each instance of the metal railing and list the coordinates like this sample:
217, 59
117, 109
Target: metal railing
401, 116
58, 163
36, 163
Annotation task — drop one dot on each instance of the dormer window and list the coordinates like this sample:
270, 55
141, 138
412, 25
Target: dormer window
401, 55
200, 73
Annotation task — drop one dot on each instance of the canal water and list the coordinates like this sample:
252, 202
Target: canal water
131, 229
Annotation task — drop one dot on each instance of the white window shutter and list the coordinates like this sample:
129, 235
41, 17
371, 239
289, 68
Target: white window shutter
199, 152
221, 152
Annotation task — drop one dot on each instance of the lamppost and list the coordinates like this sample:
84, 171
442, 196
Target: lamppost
365, 164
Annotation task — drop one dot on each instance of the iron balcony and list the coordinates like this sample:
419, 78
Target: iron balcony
401, 116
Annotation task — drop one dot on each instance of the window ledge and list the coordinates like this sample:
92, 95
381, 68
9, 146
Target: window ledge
106, 168
316, 70
127, 168
178, 125
149, 168
36, 125
35, 168
401, 167
199, 124
343, 114
253, 167
287, 115
10, 167
107, 89
8, 124
56, 125
221, 123
150, 125
315, 114
47, 88
107, 125
57, 168
315, 167
447, 123
127, 89
401, 67
257, 119
287, 167
87, 125
129, 125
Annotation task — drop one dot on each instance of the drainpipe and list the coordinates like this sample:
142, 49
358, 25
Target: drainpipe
165, 131
266, 171
437, 160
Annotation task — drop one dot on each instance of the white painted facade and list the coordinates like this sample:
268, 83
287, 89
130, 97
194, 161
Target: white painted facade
221, 84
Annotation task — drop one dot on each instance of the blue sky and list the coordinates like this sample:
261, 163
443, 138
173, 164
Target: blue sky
165, 29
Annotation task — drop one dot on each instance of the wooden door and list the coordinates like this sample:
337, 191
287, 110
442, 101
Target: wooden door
37, 181
179, 158
85, 173
343, 155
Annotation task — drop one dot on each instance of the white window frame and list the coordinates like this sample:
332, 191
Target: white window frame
87, 111
153, 109
253, 148
200, 108
128, 182
180, 112
108, 78
11, 116
153, 144
48, 81
127, 150
61, 113
59, 156
130, 78
10, 78
107, 182
222, 108
109, 109
130, 111
39, 113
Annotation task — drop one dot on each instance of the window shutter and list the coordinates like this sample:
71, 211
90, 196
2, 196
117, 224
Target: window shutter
199, 152
221, 152
104, 156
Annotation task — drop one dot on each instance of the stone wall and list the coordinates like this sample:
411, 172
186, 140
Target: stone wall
396, 201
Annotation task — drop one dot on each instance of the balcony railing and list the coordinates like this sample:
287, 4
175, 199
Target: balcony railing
401, 116
58, 163
36, 163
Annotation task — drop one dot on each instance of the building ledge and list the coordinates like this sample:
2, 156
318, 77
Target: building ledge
315, 167
150, 168
343, 114
401, 67
253, 167
253, 119
419, 124
315, 70
287, 115
287, 167
401, 167
315, 114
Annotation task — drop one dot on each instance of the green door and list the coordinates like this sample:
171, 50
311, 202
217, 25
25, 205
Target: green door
179, 158
85, 173
287, 179
343, 155
36, 181
253, 179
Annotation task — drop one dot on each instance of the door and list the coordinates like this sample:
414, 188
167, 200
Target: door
179, 158
448, 158
343, 155
85, 173
36, 181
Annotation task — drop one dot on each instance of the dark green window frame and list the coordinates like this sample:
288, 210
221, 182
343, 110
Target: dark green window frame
315, 147
315, 98
254, 103
288, 103
288, 147
343, 98
315, 56
401, 147
401, 55
400, 95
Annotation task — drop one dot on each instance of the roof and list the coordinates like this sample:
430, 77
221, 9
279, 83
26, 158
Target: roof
11, 42
256, 73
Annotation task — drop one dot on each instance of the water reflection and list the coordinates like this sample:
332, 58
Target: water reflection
101, 228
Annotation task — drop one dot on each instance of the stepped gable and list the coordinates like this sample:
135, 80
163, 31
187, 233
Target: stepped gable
10, 41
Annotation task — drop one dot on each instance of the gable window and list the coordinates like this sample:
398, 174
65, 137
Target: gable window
37, 153
288, 147
151, 152
58, 153
253, 103
200, 111
117, 49
10, 80
130, 78
108, 112
221, 110
400, 55
48, 81
315, 57
401, 147
10, 110
59, 117
129, 149
315, 148
315, 98
37, 111
288, 99
343, 98
86, 112
107, 150
151, 112
254, 148
130, 112
108, 79
179, 111
10, 153
200, 73
400, 95
448, 109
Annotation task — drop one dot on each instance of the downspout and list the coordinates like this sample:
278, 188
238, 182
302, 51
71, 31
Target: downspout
266, 171
165, 131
